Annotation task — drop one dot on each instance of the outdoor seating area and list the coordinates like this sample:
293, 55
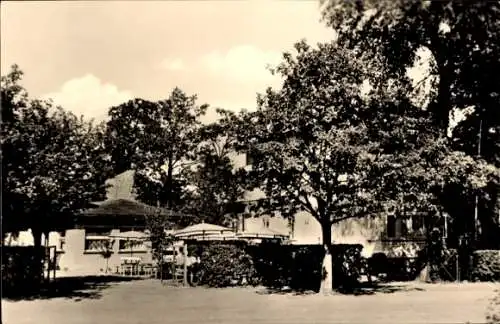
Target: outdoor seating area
134, 267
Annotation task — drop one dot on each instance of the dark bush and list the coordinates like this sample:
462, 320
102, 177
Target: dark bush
273, 265
347, 265
223, 265
486, 265
22, 270
299, 267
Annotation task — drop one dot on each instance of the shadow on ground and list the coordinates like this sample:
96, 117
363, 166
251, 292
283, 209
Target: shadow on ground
75, 288
359, 290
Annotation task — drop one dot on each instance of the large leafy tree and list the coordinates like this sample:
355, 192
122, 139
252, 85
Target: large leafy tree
330, 147
462, 37
217, 185
463, 42
53, 163
156, 140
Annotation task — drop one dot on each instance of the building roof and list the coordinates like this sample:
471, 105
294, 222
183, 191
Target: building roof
127, 207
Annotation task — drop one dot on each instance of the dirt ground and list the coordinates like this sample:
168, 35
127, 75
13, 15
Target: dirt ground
147, 301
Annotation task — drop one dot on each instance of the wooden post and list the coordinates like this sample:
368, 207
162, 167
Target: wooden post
47, 256
55, 261
185, 252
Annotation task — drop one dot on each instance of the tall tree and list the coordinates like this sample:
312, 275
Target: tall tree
155, 139
328, 147
463, 42
217, 184
53, 163
462, 37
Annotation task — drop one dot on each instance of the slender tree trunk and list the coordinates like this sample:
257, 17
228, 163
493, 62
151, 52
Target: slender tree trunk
47, 256
327, 266
37, 243
443, 105
170, 173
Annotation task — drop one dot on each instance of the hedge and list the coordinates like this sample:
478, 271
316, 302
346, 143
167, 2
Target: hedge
223, 265
274, 265
21, 273
486, 265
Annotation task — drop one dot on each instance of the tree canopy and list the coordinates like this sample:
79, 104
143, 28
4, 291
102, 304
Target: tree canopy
327, 145
217, 185
156, 139
53, 162
462, 37
462, 41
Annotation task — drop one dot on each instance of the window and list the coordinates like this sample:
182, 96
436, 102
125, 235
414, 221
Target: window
62, 241
97, 240
96, 244
131, 245
397, 227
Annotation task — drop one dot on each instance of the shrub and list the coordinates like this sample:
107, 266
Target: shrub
274, 265
486, 266
223, 265
21, 272
347, 265
300, 267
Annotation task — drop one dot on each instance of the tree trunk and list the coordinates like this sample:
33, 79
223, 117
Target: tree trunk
170, 173
327, 266
38, 258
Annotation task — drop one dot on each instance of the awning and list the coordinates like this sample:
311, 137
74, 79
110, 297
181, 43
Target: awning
263, 233
203, 230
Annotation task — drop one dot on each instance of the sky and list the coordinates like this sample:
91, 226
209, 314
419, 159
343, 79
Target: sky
89, 56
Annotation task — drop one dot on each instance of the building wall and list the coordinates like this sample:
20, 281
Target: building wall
307, 230
77, 260
74, 260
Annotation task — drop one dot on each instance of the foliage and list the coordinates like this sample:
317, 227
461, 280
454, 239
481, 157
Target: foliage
22, 270
299, 267
462, 40
347, 265
54, 163
336, 152
160, 241
327, 146
217, 185
486, 265
224, 265
156, 140
462, 37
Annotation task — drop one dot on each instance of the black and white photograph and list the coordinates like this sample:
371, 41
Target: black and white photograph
250, 161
